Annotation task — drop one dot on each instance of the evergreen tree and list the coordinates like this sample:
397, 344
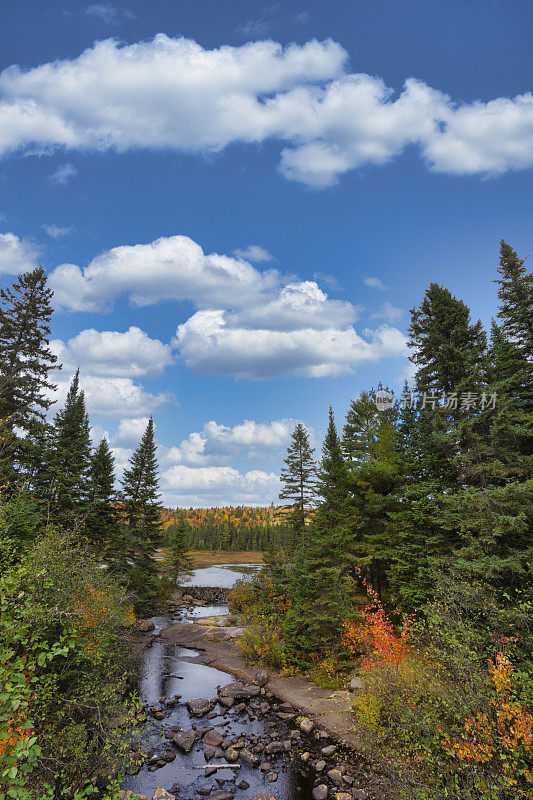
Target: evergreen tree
323, 578
142, 518
447, 347
178, 562
370, 439
25, 364
515, 293
101, 521
299, 480
69, 458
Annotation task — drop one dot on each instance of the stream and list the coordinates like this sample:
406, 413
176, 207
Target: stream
164, 674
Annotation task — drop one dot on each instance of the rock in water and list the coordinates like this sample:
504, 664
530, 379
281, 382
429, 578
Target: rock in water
162, 794
184, 740
249, 758
145, 625
320, 792
199, 707
213, 738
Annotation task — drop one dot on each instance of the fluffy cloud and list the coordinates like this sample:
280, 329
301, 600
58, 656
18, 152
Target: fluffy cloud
208, 486
16, 255
172, 93
111, 353
249, 324
215, 442
111, 397
171, 267
130, 431
207, 343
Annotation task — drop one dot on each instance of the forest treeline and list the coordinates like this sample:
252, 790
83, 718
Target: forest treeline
416, 569
230, 528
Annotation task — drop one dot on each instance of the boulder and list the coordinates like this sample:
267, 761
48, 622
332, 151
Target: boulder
273, 748
184, 740
320, 792
145, 625
213, 738
162, 794
199, 707
335, 777
249, 758
261, 678
356, 684
329, 750
236, 690
231, 754
305, 725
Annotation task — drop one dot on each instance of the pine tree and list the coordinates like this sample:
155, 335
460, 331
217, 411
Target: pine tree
447, 347
370, 439
322, 580
101, 520
142, 518
69, 458
178, 562
515, 293
25, 364
299, 481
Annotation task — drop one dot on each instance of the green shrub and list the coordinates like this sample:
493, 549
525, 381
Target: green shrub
65, 708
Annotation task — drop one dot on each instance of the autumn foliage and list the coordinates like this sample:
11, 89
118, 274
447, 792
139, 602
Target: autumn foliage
503, 733
374, 637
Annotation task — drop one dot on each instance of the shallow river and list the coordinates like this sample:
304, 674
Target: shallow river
165, 674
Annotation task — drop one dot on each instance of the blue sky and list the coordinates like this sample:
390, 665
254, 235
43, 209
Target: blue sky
238, 203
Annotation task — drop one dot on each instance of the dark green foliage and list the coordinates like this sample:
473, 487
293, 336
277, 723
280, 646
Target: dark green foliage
322, 580
101, 522
178, 562
299, 481
142, 519
25, 364
69, 459
515, 293
447, 348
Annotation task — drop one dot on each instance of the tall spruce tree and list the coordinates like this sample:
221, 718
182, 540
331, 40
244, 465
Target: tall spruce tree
101, 522
322, 580
515, 293
370, 441
142, 518
299, 481
25, 365
69, 457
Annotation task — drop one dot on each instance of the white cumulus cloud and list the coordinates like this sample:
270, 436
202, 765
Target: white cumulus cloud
173, 267
172, 93
207, 343
210, 486
16, 255
64, 174
111, 353
216, 443
110, 396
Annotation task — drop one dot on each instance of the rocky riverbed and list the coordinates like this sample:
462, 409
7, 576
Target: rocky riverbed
263, 736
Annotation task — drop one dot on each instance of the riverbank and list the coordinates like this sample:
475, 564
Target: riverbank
217, 647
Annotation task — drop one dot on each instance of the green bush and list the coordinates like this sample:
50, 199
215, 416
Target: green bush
66, 711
